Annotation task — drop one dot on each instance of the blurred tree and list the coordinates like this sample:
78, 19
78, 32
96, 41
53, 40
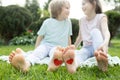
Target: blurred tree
13, 21
116, 4
36, 25
75, 29
113, 22
115, 1
2, 10
46, 5
34, 8
117, 8
45, 11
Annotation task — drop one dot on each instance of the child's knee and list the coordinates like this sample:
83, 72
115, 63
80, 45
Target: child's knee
95, 31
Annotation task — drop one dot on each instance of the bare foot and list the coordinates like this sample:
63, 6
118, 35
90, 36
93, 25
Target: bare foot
72, 47
57, 59
18, 61
69, 59
102, 60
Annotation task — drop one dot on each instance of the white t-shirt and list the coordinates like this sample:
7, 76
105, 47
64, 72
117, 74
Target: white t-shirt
87, 26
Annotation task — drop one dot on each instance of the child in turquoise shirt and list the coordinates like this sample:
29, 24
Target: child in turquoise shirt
55, 31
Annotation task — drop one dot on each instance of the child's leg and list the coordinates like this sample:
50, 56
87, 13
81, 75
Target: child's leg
101, 57
18, 61
22, 63
39, 53
56, 59
97, 38
83, 54
69, 59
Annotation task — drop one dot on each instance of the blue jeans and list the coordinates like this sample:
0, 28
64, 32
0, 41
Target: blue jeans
87, 51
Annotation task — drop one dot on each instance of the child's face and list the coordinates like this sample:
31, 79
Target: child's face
87, 7
65, 11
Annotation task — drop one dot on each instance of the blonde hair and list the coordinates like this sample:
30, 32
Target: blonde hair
55, 7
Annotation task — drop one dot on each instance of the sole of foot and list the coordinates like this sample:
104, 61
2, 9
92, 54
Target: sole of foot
57, 59
102, 60
18, 61
69, 59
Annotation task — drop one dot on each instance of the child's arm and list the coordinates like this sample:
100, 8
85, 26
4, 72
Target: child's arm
79, 38
38, 40
69, 41
78, 41
106, 34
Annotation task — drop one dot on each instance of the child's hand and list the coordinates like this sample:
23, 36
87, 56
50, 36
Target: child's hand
102, 48
100, 52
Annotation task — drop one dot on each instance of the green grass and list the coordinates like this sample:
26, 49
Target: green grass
38, 72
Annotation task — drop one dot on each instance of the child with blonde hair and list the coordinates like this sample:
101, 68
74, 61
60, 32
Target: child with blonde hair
94, 32
55, 31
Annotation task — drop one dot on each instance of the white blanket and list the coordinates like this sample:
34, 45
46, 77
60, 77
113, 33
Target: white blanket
115, 60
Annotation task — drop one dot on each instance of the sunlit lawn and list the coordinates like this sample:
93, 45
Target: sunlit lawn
38, 72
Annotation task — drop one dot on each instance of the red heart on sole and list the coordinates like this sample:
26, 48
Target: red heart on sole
57, 62
70, 61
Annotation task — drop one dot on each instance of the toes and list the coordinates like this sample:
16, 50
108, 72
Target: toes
100, 53
11, 56
66, 49
19, 50
13, 53
103, 54
72, 46
66, 57
62, 50
70, 53
58, 47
